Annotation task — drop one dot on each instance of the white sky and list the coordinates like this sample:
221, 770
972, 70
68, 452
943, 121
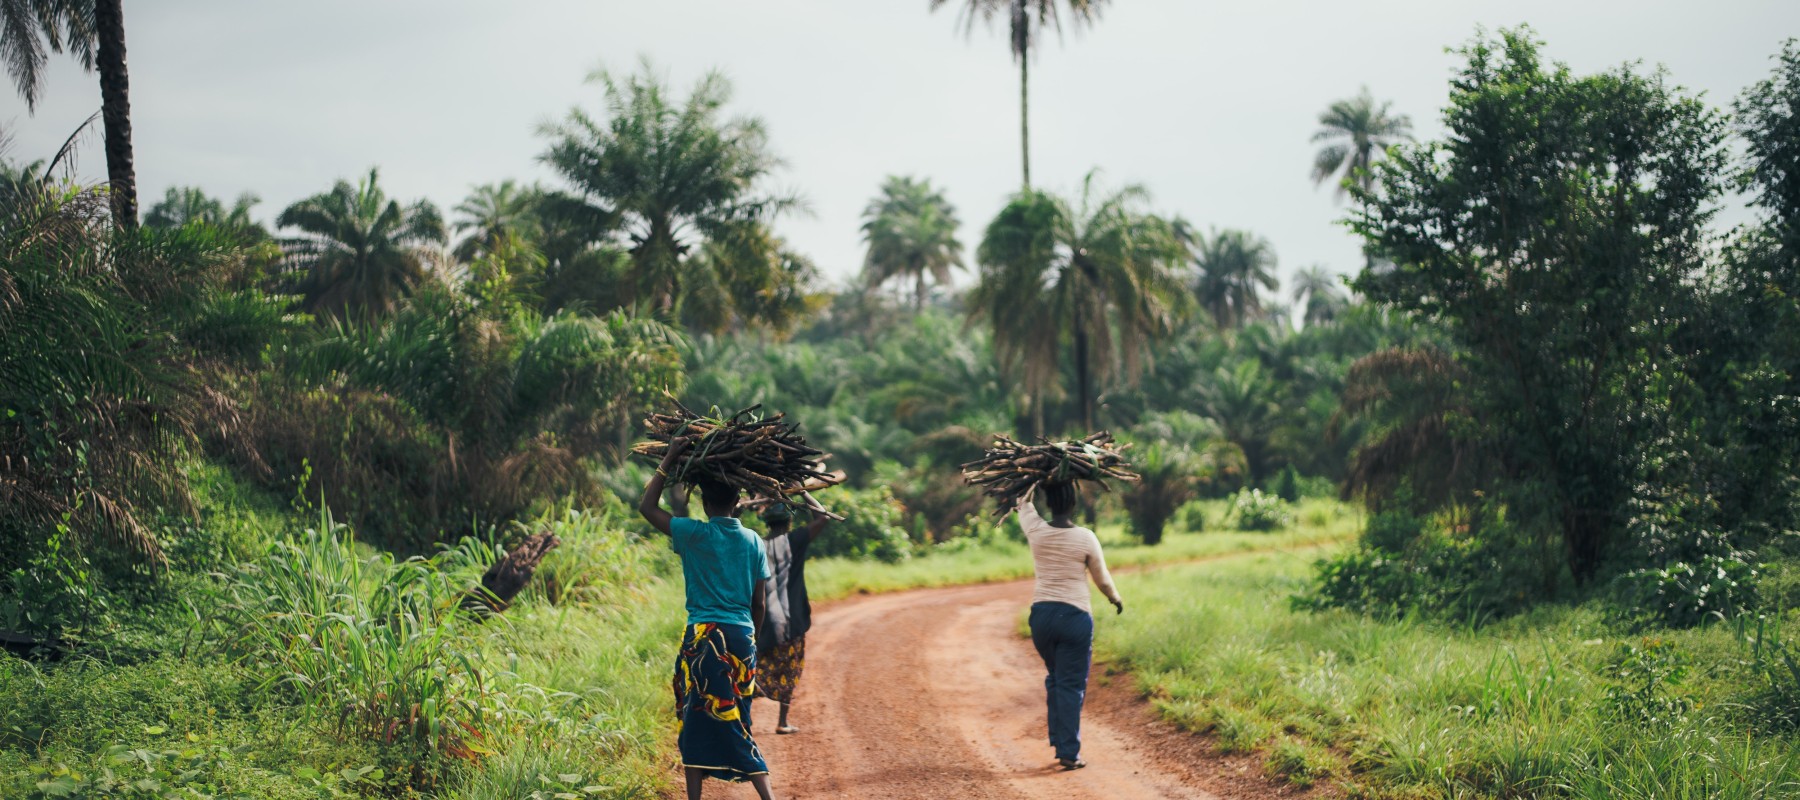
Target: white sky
1210, 104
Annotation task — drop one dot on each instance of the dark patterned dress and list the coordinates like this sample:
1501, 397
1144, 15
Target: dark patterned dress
715, 677
781, 641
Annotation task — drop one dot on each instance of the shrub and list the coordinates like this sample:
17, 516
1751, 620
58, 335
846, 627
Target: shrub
1287, 484
1466, 579
1192, 516
1646, 682
1252, 510
1685, 594
871, 527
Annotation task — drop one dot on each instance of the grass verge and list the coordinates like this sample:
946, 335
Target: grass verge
1557, 703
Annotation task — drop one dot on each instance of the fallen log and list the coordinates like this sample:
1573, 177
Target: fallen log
507, 577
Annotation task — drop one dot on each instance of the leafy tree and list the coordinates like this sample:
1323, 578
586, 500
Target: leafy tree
360, 251
1355, 132
911, 232
1098, 273
94, 32
1026, 22
492, 213
1559, 264
1318, 292
1233, 268
680, 183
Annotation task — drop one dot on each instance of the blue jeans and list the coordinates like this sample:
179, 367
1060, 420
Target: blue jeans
1064, 636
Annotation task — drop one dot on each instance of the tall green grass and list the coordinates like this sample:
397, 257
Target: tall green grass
1526, 708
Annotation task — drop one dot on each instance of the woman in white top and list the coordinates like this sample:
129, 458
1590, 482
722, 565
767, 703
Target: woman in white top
1062, 621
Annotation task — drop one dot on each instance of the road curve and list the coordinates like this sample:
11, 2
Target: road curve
933, 694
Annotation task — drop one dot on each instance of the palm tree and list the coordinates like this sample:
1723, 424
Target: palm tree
911, 232
1233, 268
1317, 290
492, 213
1355, 131
94, 32
669, 175
360, 251
1102, 271
1244, 402
184, 204
1026, 22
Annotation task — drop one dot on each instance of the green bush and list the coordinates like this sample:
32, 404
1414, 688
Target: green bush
1252, 510
1646, 683
1192, 516
1714, 588
871, 528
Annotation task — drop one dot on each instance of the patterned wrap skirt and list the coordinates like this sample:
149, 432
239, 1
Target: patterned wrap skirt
778, 671
715, 677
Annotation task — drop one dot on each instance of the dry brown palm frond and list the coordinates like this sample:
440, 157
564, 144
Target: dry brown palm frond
115, 519
1419, 446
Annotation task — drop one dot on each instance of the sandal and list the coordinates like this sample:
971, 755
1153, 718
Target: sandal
1070, 764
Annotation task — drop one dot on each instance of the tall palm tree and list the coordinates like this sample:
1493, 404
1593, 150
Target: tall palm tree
493, 212
1319, 292
1355, 132
1233, 268
360, 251
1026, 21
669, 175
911, 232
1099, 273
94, 32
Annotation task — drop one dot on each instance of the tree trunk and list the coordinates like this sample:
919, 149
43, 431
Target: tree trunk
1083, 378
1025, 115
115, 109
919, 292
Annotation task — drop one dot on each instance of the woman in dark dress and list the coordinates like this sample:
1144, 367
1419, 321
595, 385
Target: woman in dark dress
781, 641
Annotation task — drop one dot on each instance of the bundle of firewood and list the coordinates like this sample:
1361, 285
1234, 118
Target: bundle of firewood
763, 456
1011, 468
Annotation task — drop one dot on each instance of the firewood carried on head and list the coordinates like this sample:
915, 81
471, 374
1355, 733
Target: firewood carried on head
1010, 469
761, 455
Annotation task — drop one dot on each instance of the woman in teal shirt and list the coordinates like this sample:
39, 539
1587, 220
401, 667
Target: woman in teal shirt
727, 572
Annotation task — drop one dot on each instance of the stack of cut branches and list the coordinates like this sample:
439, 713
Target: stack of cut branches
763, 456
1009, 469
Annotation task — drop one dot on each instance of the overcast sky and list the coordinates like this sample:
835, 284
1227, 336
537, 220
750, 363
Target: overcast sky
1209, 104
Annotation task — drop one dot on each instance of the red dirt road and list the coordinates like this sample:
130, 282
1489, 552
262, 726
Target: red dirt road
933, 694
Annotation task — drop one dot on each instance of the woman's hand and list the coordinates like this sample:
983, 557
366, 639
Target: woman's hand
1120, 605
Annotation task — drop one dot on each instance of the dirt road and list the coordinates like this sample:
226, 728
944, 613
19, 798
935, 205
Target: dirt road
933, 694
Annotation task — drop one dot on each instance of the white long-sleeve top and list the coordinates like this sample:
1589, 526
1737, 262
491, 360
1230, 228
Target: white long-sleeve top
1065, 558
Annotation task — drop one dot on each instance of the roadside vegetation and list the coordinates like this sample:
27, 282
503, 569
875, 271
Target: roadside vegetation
1512, 511
1562, 701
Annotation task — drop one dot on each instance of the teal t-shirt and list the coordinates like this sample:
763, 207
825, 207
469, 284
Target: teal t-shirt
722, 560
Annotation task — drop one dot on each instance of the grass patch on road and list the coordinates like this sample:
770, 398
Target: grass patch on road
1557, 703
